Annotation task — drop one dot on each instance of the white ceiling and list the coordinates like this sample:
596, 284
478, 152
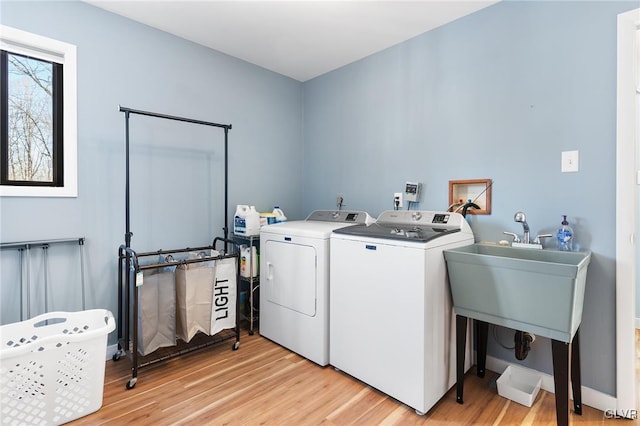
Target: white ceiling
300, 39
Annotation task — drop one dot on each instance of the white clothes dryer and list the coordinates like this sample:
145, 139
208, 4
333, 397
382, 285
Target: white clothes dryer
294, 281
392, 321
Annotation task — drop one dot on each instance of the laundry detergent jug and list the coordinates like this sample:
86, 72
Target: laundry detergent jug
279, 214
246, 221
248, 262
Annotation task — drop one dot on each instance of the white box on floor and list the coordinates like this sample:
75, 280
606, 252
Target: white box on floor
519, 384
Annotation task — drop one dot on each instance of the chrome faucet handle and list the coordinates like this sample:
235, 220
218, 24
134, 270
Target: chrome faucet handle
539, 237
516, 239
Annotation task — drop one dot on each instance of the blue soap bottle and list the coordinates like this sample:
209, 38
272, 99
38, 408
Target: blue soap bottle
565, 236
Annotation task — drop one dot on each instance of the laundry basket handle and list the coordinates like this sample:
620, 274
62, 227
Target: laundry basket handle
49, 327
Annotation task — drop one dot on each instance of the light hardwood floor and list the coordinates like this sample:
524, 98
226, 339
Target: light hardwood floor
638, 370
264, 383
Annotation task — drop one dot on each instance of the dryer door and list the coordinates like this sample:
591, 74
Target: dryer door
291, 276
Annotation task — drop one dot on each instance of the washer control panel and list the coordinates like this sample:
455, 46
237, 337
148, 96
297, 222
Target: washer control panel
421, 217
440, 218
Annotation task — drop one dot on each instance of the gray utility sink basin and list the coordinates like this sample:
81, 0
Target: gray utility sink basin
539, 291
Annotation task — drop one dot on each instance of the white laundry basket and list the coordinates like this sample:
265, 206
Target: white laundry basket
52, 367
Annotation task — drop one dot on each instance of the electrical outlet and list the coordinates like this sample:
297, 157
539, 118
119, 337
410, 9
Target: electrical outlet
397, 199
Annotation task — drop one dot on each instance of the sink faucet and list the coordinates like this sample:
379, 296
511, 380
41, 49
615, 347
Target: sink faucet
522, 218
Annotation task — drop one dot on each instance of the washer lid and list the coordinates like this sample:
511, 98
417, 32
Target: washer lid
405, 232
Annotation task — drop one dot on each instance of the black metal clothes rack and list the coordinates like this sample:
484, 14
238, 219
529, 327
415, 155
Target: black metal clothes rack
226, 127
129, 266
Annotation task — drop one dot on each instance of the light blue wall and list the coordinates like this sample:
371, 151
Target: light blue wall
177, 180
498, 94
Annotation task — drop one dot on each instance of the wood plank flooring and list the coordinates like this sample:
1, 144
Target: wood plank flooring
638, 370
264, 383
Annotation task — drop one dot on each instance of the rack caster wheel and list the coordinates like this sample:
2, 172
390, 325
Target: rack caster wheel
131, 383
117, 356
250, 332
235, 346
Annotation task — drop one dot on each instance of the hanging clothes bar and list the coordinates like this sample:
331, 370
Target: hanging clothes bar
36, 243
24, 247
127, 112
173, 117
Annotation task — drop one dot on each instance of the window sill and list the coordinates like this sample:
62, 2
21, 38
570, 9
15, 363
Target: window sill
38, 191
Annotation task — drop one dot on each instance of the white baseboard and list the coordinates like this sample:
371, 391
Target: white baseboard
592, 398
637, 322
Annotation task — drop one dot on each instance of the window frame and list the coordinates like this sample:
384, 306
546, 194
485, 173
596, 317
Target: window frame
24, 43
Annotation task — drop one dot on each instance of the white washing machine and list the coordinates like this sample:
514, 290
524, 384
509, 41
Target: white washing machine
392, 323
294, 281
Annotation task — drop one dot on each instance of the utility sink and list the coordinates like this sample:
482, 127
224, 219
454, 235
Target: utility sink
539, 291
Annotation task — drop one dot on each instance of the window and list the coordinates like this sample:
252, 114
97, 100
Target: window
38, 147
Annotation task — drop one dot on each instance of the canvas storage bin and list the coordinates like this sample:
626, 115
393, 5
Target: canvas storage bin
157, 310
223, 311
194, 294
52, 367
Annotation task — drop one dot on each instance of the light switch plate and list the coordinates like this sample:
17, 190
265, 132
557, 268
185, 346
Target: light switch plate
570, 160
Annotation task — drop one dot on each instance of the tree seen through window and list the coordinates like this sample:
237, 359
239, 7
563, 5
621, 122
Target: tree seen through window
29, 144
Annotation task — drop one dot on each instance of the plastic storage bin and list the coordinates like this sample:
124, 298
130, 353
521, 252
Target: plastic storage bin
52, 367
519, 384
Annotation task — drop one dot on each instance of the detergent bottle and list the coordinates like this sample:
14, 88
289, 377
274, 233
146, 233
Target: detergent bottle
239, 220
253, 221
279, 214
248, 261
246, 221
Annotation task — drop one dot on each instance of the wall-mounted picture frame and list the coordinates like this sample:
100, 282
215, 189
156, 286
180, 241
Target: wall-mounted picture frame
478, 191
